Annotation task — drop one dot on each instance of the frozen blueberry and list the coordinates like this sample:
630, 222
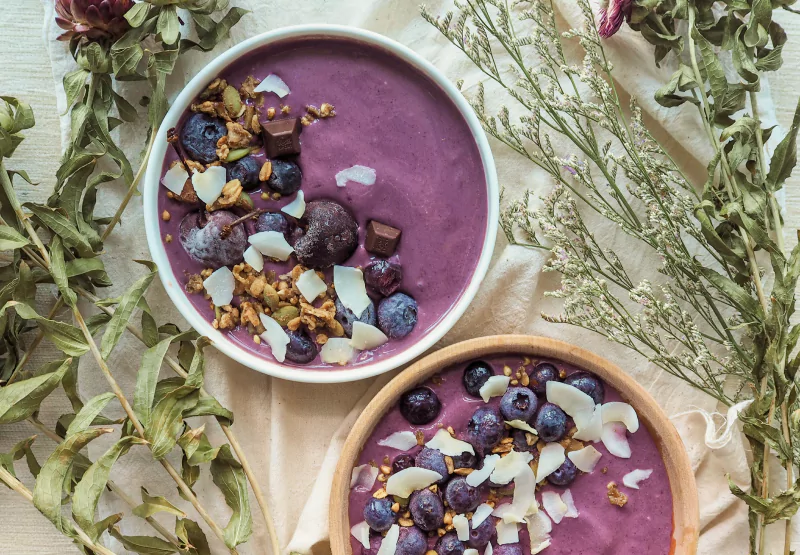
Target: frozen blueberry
383, 276
245, 170
401, 462
589, 384
521, 441
412, 541
272, 221
201, 238
550, 423
485, 429
301, 348
518, 403
427, 510
461, 496
465, 460
347, 317
378, 514
420, 406
508, 549
564, 475
483, 534
449, 544
543, 373
331, 236
475, 375
199, 136
397, 315
432, 459
285, 178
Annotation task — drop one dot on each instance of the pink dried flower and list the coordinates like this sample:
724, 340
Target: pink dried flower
612, 14
93, 19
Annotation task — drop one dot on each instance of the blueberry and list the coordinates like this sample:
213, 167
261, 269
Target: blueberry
201, 238
449, 544
378, 514
199, 135
285, 178
564, 475
485, 429
550, 423
461, 496
543, 373
482, 535
412, 541
420, 406
521, 441
475, 375
301, 349
245, 170
518, 403
589, 384
346, 317
331, 236
272, 221
401, 462
427, 510
397, 315
465, 460
432, 459
508, 549
383, 276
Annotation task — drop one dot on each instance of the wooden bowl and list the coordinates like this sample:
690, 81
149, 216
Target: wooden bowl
685, 508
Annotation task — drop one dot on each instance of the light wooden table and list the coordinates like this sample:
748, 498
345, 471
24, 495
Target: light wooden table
25, 72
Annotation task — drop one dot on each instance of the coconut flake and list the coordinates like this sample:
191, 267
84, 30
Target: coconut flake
550, 459
448, 445
507, 532
361, 532
615, 438
572, 510
175, 179
208, 184
477, 477
310, 285
522, 425
585, 459
494, 387
590, 428
272, 244
554, 505
471, 551
510, 466
402, 441
254, 258
572, 400
366, 337
275, 337
481, 513
539, 528
220, 286
389, 543
409, 480
274, 84
363, 476
621, 412
461, 524
634, 477
297, 207
350, 288
358, 174
524, 502
337, 350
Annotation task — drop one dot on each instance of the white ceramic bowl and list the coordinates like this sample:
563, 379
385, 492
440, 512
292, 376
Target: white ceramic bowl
172, 284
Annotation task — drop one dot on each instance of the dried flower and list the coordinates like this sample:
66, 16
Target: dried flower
93, 19
612, 15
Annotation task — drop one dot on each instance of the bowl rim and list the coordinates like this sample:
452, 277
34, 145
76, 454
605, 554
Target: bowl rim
686, 517
158, 251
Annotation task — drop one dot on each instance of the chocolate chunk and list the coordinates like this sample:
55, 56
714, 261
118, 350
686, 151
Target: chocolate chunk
382, 239
281, 137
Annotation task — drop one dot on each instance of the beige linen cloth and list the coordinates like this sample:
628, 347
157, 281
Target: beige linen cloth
292, 433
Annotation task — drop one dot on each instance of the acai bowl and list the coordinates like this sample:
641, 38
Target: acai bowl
322, 203
513, 445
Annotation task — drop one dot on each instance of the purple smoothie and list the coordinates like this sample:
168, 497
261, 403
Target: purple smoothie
390, 117
643, 526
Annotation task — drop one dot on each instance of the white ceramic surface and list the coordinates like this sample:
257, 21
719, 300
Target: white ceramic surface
172, 284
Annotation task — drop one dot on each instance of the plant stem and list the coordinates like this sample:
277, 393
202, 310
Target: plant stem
8, 479
111, 485
5, 181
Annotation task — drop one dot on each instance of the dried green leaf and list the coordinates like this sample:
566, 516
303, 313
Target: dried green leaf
741, 298
229, 477
166, 419
193, 539
86, 416
212, 32
74, 84
782, 506
66, 337
11, 239
156, 504
22, 398
59, 272
168, 25
144, 545
209, 406
127, 304
19, 450
137, 14
784, 158
61, 226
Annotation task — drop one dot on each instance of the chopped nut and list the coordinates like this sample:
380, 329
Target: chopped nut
276, 196
525, 379
264, 196
238, 136
616, 497
222, 148
514, 382
255, 125
206, 272
380, 494
448, 461
168, 238
195, 284
230, 195
506, 371
248, 87
507, 440
382, 477
257, 339
405, 522
285, 109
270, 113
249, 315
265, 173
306, 120
207, 107
313, 110
463, 471
420, 437
451, 431
386, 469
165, 216
396, 508
229, 318
322, 338
448, 518
326, 110
294, 325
